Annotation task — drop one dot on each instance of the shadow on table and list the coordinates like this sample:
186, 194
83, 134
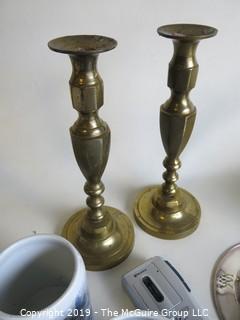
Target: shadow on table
112, 282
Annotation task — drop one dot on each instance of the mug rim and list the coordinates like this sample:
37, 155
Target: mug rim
49, 237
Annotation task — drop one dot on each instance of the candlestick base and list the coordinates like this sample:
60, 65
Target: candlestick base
104, 244
174, 220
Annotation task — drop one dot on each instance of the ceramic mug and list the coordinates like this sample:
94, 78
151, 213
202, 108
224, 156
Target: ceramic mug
43, 277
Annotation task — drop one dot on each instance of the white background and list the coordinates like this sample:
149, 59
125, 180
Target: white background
41, 185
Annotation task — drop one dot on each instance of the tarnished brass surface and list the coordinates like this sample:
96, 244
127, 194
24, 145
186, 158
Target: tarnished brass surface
103, 235
160, 221
167, 211
114, 235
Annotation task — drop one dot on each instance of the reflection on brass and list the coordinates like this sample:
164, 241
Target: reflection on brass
103, 235
167, 211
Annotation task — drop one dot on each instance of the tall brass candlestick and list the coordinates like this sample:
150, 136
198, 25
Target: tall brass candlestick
103, 235
167, 211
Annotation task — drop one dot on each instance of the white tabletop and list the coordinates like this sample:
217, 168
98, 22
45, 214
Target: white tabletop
41, 185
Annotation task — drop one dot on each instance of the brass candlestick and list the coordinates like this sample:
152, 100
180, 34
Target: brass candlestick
167, 211
103, 235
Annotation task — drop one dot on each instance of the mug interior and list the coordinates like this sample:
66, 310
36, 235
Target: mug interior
34, 273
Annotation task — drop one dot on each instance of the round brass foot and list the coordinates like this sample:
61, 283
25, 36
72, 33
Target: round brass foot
106, 245
166, 225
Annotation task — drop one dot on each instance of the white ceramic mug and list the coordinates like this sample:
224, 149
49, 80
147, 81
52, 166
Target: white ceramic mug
43, 277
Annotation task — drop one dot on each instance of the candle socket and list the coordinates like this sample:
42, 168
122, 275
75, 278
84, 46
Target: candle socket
103, 235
